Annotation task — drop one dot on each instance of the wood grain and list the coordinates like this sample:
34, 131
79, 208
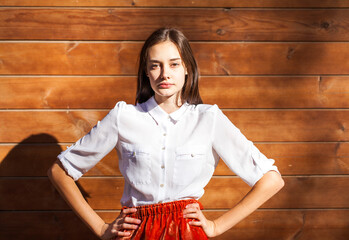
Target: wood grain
181, 3
197, 24
276, 92
276, 224
278, 69
105, 193
227, 92
120, 58
66, 92
291, 159
259, 125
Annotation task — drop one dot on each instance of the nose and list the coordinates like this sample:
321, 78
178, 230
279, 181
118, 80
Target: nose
165, 74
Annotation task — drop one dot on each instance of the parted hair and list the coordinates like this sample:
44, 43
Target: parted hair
190, 91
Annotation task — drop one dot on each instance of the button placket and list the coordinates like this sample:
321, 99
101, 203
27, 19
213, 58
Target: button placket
162, 178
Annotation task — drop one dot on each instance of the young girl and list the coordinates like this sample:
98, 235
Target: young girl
168, 145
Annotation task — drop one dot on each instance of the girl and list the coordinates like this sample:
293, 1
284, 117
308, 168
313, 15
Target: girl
168, 145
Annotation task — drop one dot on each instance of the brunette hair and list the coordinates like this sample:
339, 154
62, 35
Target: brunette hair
190, 90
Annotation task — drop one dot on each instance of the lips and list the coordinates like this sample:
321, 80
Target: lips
165, 85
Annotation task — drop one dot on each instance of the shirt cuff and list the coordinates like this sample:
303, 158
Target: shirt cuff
263, 164
68, 166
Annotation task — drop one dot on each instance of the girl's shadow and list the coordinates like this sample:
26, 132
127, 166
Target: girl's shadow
30, 207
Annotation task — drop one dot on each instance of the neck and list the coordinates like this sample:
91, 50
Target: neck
170, 104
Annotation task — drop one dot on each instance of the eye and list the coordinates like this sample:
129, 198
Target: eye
154, 66
174, 64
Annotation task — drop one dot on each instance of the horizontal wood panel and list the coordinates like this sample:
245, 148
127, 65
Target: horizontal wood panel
66, 92
291, 125
86, 58
105, 193
293, 158
197, 24
260, 125
226, 92
276, 92
180, 3
278, 224
58, 92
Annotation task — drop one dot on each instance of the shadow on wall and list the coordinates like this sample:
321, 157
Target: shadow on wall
30, 206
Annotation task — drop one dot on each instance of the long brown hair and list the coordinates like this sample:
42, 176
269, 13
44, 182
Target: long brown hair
190, 91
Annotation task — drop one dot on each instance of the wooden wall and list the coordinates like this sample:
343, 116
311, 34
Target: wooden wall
278, 68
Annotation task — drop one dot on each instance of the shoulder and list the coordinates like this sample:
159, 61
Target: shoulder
204, 108
123, 106
122, 109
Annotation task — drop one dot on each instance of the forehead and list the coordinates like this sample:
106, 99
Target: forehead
163, 51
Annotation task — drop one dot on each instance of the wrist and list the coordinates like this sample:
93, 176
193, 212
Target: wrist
215, 228
102, 229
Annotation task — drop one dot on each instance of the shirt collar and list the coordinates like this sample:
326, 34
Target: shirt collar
159, 115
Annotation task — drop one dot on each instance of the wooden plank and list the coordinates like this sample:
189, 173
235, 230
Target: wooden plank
260, 125
271, 58
292, 125
47, 127
57, 92
276, 92
105, 193
284, 224
197, 24
226, 92
278, 224
179, 3
298, 192
291, 159
35, 160
69, 58
303, 158
120, 58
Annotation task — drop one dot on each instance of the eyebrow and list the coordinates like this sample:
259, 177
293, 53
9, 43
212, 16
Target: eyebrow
172, 59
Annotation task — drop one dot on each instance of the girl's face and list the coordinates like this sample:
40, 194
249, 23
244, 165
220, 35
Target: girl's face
165, 70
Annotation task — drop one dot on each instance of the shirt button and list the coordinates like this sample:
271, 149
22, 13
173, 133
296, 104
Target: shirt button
162, 166
192, 155
161, 185
164, 134
163, 148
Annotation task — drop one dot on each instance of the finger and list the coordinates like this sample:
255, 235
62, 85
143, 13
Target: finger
126, 226
190, 210
193, 205
123, 234
195, 223
129, 210
191, 215
132, 220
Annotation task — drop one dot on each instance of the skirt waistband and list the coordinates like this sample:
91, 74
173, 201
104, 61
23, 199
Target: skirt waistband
163, 208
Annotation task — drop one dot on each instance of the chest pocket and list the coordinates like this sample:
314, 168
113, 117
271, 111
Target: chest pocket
188, 164
135, 164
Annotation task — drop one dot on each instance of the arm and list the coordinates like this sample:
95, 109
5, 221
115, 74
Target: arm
264, 189
71, 193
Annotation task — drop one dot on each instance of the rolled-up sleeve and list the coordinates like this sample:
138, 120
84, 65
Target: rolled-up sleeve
238, 153
90, 149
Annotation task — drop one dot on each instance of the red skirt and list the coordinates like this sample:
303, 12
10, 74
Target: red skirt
165, 221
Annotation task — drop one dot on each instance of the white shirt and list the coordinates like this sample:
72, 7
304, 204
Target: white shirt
166, 157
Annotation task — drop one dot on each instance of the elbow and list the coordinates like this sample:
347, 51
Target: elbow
274, 181
279, 182
53, 172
